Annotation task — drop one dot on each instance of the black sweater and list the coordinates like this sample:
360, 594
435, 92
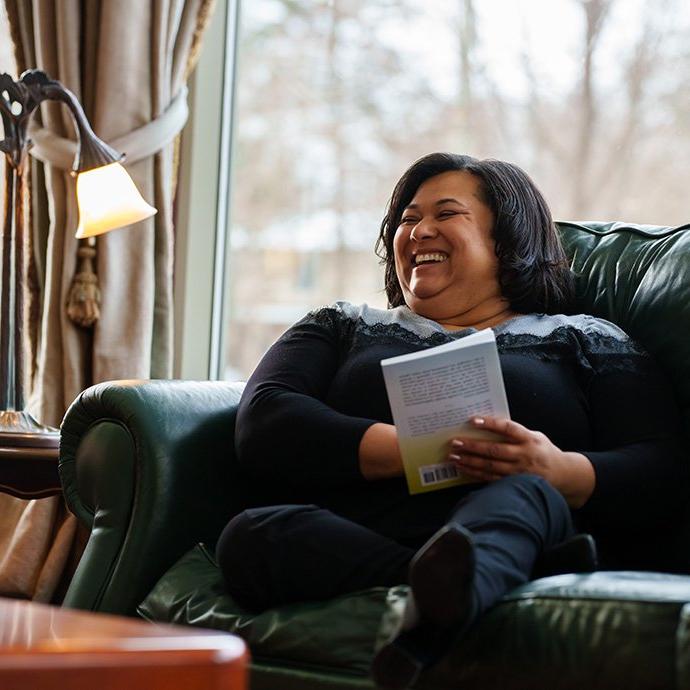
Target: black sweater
578, 379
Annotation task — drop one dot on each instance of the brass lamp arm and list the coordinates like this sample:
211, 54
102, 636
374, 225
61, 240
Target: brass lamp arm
32, 88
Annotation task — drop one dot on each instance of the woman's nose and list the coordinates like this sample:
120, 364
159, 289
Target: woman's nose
425, 229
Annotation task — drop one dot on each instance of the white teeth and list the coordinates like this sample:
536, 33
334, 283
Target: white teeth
423, 258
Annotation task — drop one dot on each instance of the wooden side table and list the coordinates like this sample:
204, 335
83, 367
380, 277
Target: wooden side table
29, 465
48, 648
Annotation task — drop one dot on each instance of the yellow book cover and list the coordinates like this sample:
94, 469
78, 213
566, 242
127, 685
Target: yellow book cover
433, 393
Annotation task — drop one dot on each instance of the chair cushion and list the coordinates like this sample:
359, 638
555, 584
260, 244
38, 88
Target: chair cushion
638, 276
192, 592
604, 630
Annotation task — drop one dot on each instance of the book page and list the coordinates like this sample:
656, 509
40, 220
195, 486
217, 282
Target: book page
433, 394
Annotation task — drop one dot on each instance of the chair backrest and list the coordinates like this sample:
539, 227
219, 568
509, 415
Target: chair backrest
638, 276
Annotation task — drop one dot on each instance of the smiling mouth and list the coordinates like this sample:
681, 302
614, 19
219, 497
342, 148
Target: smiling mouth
428, 259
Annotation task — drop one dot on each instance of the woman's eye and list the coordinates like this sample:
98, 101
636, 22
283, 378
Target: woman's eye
408, 219
447, 214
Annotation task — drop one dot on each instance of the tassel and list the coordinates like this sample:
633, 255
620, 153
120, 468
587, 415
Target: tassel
84, 300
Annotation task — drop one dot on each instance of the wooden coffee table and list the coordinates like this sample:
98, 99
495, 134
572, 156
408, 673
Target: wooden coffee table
48, 648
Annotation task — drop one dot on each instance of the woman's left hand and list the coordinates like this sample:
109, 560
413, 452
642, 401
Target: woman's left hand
522, 451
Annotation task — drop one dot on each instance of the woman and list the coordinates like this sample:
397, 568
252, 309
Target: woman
467, 244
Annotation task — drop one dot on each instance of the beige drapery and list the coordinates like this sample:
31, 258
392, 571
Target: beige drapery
127, 61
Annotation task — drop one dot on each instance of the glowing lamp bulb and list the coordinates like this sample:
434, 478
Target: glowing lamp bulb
108, 199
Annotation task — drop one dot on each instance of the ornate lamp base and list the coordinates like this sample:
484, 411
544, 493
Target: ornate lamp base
20, 429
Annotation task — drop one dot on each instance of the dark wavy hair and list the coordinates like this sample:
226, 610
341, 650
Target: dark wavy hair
534, 272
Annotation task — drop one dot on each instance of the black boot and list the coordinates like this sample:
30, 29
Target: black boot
575, 555
440, 606
441, 577
399, 662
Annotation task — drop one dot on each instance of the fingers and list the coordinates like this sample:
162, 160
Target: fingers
485, 469
480, 475
488, 460
494, 450
506, 427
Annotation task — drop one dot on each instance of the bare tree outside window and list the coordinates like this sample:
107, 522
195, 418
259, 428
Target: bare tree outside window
337, 97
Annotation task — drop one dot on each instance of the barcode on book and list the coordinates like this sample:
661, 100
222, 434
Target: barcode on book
434, 474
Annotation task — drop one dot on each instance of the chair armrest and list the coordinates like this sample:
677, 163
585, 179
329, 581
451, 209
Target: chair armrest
148, 466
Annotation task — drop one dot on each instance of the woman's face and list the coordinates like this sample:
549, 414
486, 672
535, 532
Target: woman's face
444, 251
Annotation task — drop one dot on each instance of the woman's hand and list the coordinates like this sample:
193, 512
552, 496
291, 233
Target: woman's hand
520, 451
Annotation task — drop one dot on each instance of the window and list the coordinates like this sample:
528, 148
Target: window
334, 99
6, 65
6, 55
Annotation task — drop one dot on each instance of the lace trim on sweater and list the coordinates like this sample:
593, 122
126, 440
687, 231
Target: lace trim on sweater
600, 349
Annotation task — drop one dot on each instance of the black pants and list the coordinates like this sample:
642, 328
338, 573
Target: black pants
289, 553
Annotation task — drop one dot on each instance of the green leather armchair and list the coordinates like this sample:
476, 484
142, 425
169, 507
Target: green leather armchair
148, 467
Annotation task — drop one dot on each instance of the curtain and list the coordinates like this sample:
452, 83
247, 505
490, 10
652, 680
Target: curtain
127, 62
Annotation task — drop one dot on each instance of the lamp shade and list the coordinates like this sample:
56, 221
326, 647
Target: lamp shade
107, 199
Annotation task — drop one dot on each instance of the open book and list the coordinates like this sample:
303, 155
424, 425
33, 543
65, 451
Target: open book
433, 393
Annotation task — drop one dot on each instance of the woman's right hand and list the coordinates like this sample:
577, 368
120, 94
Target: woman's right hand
521, 451
379, 453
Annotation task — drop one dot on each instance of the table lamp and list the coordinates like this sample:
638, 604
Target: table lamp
107, 199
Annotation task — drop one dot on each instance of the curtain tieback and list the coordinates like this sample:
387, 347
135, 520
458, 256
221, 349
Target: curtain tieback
84, 296
138, 144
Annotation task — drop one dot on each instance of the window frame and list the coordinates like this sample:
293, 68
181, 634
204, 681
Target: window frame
203, 203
